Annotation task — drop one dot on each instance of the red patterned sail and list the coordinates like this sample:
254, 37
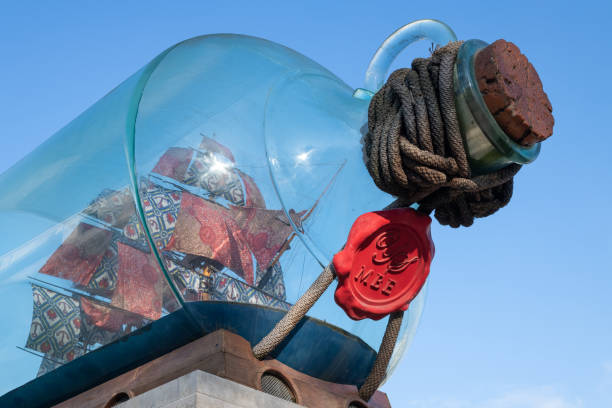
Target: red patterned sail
139, 283
211, 145
174, 163
56, 325
106, 317
80, 254
254, 198
112, 207
207, 229
265, 231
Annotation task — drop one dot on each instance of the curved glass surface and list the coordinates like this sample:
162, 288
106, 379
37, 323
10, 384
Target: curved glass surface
250, 175
434, 30
72, 275
227, 171
489, 147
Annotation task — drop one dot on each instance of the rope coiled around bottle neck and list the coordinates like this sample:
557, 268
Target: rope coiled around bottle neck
414, 149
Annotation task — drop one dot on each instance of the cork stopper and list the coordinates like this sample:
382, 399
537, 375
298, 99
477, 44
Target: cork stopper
513, 92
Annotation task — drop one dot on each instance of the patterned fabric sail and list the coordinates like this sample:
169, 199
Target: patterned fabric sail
228, 288
202, 213
104, 279
78, 257
190, 280
139, 283
265, 231
232, 242
216, 175
67, 326
107, 317
56, 325
174, 163
209, 170
254, 198
113, 208
210, 145
161, 207
207, 229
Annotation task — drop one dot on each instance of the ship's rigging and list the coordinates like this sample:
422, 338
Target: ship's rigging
206, 217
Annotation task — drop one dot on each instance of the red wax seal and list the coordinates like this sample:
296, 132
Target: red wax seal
384, 263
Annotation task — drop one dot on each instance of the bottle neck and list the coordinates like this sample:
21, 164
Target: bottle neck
487, 145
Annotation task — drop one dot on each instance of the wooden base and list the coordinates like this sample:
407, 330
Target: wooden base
229, 356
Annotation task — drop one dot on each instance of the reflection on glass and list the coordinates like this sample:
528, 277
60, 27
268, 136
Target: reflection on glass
98, 285
209, 220
237, 179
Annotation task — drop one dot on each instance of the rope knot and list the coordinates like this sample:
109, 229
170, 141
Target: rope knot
414, 150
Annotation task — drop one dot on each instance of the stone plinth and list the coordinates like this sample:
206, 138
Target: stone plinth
203, 390
177, 378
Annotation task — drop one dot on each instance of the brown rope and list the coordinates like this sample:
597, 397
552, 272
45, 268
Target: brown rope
414, 149
295, 313
303, 305
379, 369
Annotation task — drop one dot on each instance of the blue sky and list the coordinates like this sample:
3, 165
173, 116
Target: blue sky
519, 308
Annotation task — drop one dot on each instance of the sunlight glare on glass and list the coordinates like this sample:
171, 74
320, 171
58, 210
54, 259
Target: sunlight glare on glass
303, 158
219, 166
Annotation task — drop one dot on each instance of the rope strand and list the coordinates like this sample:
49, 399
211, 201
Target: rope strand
414, 149
379, 368
295, 314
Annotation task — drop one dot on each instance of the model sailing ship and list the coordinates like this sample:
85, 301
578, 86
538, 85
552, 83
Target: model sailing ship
208, 221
